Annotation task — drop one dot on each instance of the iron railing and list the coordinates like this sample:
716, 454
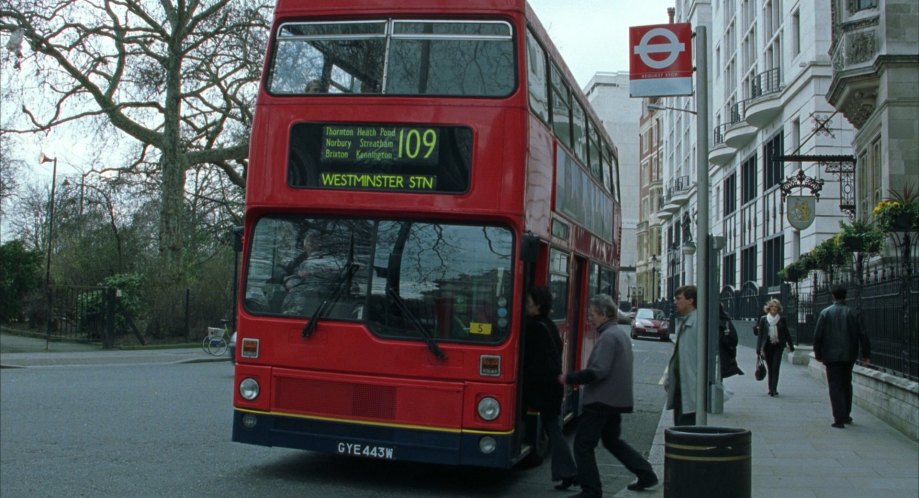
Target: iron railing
889, 308
718, 134
766, 83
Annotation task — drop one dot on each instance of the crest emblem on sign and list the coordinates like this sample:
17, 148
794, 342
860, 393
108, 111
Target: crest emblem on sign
802, 210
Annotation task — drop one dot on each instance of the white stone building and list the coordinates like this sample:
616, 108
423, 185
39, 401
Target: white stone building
768, 74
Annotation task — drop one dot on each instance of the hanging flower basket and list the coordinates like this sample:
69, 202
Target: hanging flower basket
900, 214
903, 222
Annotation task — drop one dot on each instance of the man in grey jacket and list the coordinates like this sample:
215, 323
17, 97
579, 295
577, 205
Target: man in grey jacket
606, 395
680, 381
838, 337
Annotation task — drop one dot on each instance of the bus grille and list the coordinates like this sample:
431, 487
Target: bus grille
412, 404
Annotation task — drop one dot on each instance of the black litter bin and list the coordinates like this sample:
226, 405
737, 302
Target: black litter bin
710, 462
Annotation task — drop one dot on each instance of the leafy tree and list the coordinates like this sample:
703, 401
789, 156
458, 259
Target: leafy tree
177, 77
20, 274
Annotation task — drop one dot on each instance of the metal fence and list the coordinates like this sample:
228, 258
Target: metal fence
890, 309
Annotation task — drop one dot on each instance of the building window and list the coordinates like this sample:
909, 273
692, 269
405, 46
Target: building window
876, 171
774, 256
772, 169
729, 270
748, 171
857, 5
796, 33
748, 265
730, 197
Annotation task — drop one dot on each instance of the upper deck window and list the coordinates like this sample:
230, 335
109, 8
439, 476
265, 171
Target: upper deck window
398, 57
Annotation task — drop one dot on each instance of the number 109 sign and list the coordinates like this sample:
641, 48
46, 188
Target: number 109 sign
660, 60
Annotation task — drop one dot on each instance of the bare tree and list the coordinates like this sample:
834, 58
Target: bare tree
9, 173
179, 77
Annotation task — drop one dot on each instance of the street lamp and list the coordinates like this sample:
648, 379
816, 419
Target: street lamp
42, 159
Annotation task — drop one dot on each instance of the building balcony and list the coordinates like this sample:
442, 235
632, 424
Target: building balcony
855, 51
738, 132
720, 154
679, 190
662, 217
669, 208
766, 103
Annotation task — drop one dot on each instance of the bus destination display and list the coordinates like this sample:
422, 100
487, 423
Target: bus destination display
380, 144
380, 157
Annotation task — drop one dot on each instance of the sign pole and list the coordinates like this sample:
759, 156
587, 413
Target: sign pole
702, 228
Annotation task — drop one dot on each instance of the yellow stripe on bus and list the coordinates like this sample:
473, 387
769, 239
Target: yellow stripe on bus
379, 424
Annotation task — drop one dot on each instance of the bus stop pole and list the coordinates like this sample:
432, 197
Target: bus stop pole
702, 227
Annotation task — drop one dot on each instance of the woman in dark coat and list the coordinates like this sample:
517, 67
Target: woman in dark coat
542, 365
772, 336
727, 345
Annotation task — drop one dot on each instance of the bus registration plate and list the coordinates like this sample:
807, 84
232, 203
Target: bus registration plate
365, 450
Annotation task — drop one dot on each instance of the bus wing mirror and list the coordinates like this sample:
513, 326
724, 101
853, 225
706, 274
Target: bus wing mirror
529, 248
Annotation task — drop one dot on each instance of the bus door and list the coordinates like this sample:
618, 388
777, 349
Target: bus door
532, 252
575, 323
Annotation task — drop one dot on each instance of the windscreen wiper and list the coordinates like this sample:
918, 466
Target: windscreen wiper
428, 338
330, 301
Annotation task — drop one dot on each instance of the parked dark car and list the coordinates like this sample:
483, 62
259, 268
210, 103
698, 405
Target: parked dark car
650, 322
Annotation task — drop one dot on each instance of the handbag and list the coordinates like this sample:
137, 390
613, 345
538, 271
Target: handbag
760, 373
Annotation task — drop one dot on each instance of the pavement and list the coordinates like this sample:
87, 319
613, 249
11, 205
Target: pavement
22, 352
795, 452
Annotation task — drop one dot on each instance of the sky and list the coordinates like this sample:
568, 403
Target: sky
593, 35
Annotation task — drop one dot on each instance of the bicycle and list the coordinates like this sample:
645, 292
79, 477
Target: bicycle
216, 340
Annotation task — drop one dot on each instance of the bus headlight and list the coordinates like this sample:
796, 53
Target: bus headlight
248, 388
489, 408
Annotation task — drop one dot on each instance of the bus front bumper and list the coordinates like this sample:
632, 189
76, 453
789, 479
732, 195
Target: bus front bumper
368, 440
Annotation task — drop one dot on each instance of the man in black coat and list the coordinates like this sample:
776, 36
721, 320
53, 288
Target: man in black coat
543, 364
838, 337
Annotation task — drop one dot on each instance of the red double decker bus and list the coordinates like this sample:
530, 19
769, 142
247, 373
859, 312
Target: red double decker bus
414, 167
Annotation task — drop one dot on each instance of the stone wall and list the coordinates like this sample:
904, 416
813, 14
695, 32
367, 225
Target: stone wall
894, 400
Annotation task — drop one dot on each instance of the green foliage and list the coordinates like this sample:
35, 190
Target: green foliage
791, 273
829, 254
861, 236
91, 305
20, 274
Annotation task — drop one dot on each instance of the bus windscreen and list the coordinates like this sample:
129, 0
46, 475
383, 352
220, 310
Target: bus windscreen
418, 159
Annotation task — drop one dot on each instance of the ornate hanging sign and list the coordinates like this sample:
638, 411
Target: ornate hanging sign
802, 210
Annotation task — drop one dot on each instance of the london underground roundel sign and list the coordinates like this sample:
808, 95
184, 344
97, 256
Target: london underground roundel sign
660, 60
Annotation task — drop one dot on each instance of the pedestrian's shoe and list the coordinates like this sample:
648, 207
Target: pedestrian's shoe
566, 483
641, 485
849, 420
839, 425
